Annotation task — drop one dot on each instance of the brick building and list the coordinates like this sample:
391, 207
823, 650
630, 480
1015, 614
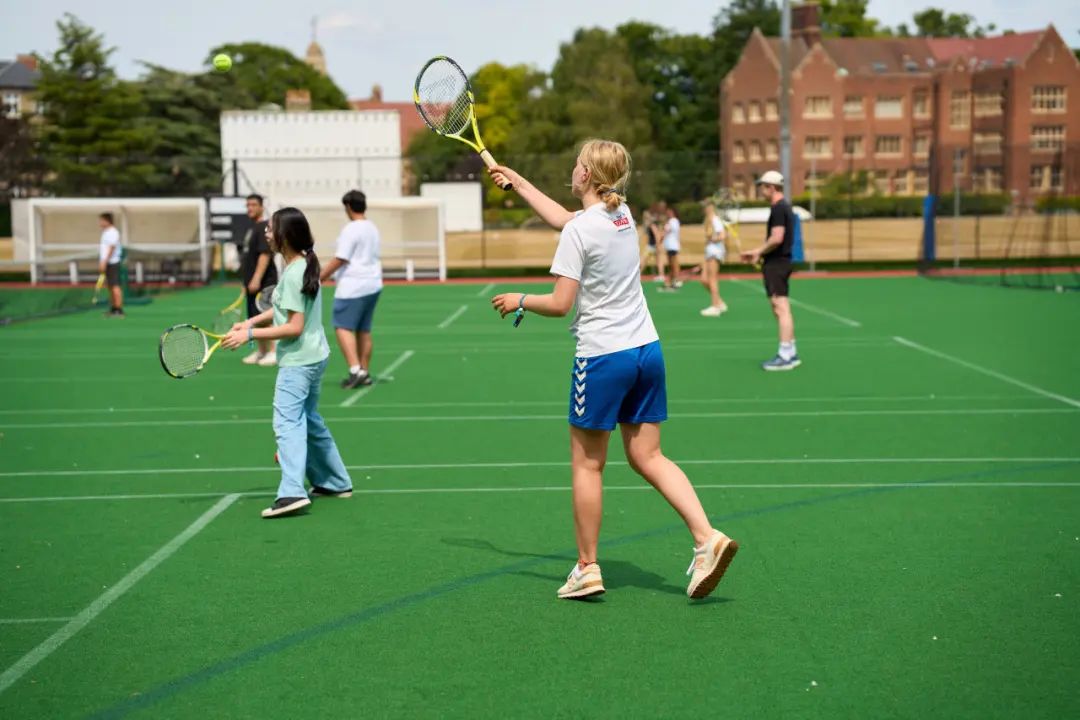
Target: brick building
991, 114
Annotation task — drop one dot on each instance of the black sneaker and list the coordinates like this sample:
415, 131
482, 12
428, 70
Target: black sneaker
286, 506
356, 380
317, 491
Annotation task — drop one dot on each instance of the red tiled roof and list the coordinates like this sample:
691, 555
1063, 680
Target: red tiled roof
411, 122
993, 49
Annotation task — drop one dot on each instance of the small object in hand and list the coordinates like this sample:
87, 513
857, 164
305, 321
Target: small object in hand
519, 315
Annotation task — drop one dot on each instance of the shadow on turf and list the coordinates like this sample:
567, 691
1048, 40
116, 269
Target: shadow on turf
617, 573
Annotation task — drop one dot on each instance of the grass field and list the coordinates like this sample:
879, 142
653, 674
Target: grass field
908, 505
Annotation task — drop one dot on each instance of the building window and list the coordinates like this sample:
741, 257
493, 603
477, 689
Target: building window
772, 110
921, 182
887, 145
853, 146
960, 109
987, 143
772, 150
738, 114
755, 151
889, 107
990, 179
817, 146
902, 182
921, 147
853, 106
920, 104
738, 187
880, 179
755, 111
814, 180
10, 108
817, 106
1048, 137
988, 104
1046, 177
739, 153
1048, 99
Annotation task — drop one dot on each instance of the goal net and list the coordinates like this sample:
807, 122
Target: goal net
411, 232
163, 240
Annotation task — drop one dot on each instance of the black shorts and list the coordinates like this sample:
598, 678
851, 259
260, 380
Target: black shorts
776, 274
112, 275
671, 254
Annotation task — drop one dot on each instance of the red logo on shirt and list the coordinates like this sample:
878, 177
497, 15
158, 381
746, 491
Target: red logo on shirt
621, 220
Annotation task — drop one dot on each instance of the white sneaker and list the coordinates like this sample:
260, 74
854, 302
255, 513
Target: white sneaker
709, 563
252, 358
268, 360
659, 278
582, 583
678, 284
714, 311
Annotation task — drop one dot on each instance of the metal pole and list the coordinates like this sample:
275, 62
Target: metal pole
235, 178
813, 210
785, 91
956, 209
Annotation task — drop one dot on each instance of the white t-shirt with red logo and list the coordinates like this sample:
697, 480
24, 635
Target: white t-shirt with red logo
599, 249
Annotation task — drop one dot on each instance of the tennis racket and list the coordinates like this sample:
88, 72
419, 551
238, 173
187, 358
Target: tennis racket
96, 297
445, 101
185, 349
265, 299
231, 314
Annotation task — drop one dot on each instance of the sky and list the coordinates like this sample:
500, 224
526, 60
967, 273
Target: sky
378, 42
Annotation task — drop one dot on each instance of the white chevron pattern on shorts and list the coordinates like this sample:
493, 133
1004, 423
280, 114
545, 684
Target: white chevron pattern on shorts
579, 386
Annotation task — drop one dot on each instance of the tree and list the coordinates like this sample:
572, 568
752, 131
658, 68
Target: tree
847, 18
733, 24
935, 22
261, 74
21, 168
92, 137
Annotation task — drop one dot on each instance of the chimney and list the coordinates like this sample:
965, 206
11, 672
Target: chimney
806, 23
297, 100
28, 60
376, 93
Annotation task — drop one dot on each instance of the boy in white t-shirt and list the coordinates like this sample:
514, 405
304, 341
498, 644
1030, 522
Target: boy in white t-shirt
617, 375
109, 259
359, 284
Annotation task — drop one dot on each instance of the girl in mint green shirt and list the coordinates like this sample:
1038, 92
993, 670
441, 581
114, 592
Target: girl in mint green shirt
305, 446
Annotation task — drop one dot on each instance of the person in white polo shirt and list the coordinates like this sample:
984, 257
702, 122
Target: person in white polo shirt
359, 283
109, 264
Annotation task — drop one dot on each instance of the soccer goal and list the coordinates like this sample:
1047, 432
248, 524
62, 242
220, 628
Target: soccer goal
164, 240
411, 230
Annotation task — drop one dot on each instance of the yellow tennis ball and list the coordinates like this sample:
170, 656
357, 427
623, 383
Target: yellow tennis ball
222, 62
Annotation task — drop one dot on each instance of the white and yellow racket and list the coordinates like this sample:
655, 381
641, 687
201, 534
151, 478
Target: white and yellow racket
444, 99
185, 349
96, 297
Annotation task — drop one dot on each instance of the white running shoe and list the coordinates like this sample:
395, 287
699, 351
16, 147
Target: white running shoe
709, 563
252, 358
582, 583
714, 311
268, 360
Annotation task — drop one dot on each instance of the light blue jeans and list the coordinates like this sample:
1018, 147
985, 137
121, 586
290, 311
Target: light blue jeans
304, 443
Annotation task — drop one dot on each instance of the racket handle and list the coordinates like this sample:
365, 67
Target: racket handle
490, 162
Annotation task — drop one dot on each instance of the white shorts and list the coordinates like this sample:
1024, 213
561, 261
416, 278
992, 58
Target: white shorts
715, 251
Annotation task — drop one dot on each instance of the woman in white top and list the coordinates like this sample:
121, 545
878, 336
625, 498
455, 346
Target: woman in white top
672, 246
617, 375
715, 252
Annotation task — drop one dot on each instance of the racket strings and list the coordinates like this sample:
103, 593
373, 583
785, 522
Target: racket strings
183, 350
444, 98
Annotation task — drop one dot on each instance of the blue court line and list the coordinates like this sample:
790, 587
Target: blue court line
174, 687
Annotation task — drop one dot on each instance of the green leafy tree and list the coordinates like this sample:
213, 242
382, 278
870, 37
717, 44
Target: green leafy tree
93, 138
21, 168
261, 74
935, 22
734, 23
848, 18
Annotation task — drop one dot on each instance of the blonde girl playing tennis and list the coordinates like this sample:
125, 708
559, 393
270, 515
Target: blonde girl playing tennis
305, 445
715, 252
617, 376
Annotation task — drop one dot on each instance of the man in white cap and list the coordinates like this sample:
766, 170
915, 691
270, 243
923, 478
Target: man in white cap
776, 257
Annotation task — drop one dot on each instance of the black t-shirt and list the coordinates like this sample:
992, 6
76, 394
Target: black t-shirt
781, 215
254, 245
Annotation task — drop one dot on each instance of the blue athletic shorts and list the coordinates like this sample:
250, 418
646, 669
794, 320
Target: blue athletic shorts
625, 387
355, 314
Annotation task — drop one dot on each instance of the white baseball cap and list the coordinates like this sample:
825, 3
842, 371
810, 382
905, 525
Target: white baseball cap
771, 178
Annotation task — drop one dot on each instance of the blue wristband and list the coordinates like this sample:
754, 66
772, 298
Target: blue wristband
521, 302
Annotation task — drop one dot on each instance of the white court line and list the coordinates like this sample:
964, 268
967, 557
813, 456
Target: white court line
538, 418
84, 618
987, 371
554, 463
812, 308
542, 488
485, 290
27, 621
365, 390
453, 316
213, 409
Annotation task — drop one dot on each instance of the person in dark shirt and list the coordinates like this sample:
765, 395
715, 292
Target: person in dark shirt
257, 270
775, 259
